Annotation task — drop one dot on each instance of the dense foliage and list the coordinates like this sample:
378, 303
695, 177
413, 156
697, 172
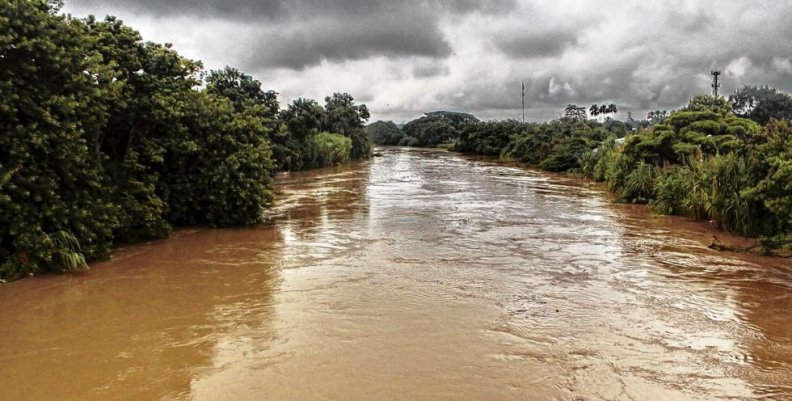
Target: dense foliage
435, 128
331, 149
384, 133
556, 145
761, 103
106, 138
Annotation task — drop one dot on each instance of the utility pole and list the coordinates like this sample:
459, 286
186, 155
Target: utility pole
523, 100
715, 83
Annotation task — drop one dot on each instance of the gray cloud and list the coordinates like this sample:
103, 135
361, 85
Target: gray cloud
407, 58
292, 9
299, 33
542, 44
429, 69
326, 40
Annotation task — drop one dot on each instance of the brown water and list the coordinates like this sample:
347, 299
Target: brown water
419, 275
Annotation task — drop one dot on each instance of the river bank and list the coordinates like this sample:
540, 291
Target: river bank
714, 238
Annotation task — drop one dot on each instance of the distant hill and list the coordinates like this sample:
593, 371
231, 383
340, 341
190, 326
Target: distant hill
431, 129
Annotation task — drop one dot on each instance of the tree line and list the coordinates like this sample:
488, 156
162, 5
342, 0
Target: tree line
106, 138
432, 129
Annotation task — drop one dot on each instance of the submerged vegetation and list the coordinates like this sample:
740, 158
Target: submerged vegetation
107, 138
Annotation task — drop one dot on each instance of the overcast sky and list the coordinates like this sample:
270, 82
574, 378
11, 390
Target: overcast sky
404, 58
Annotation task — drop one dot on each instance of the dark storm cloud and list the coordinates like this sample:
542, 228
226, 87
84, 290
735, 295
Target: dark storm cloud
300, 33
273, 9
202, 8
543, 44
297, 47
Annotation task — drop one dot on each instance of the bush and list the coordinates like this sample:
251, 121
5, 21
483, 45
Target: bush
673, 192
566, 155
729, 206
331, 149
639, 184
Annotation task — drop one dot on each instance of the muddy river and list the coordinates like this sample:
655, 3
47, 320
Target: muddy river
418, 275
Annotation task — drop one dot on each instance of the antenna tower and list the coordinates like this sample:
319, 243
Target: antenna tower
715, 83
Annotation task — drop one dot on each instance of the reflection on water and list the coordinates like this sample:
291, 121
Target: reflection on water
417, 275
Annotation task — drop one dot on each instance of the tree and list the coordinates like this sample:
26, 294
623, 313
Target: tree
242, 90
770, 156
300, 122
657, 116
438, 127
343, 116
761, 103
384, 133
597, 110
218, 162
303, 117
54, 210
574, 112
134, 141
488, 137
705, 127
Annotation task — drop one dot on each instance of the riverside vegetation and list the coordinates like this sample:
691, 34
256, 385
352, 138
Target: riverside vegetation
106, 138
723, 160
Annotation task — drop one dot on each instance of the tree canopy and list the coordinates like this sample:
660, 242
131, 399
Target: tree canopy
384, 133
437, 127
761, 103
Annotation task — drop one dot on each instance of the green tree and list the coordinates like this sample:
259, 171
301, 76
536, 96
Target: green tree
574, 112
292, 146
438, 127
384, 133
242, 90
133, 140
303, 118
761, 103
343, 116
488, 137
218, 161
51, 113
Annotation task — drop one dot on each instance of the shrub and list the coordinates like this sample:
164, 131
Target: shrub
566, 155
639, 184
728, 205
673, 188
331, 149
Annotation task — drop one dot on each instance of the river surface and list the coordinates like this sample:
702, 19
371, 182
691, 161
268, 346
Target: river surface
418, 275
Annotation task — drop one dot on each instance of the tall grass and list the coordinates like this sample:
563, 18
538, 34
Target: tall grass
729, 207
672, 192
331, 149
639, 184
